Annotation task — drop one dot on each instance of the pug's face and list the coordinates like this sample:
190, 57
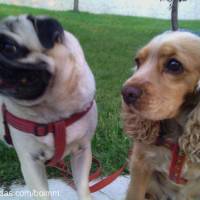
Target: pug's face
26, 70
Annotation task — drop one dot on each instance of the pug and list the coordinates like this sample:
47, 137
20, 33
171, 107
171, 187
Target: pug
44, 78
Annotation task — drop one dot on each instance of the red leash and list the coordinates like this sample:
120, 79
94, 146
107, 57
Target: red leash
66, 173
108, 180
58, 129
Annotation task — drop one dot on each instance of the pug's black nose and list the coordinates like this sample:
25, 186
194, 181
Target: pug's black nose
131, 94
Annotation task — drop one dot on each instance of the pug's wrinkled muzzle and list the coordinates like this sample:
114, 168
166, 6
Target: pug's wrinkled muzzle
26, 81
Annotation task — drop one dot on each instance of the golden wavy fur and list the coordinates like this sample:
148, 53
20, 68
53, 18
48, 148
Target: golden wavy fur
163, 99
140, 129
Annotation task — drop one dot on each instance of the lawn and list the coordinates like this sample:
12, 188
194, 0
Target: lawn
109, 43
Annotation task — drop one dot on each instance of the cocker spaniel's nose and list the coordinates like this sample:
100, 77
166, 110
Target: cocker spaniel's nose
131, 94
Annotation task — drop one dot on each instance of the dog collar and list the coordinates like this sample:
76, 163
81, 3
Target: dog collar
177, 162
58, 129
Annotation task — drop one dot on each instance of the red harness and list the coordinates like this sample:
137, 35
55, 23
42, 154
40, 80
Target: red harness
58, 129
177, 162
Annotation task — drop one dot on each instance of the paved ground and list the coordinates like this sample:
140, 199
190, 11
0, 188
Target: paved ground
60, 191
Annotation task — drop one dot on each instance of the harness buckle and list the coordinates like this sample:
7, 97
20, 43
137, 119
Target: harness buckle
41, 130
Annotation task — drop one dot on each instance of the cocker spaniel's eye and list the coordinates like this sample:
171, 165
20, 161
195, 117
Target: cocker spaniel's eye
137, 62
174, 67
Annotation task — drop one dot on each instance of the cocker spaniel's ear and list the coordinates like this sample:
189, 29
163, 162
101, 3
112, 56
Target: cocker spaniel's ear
192, 99
198, 87
190, 140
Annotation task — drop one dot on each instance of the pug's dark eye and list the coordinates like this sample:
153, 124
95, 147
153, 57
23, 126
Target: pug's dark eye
173, 66
8, 48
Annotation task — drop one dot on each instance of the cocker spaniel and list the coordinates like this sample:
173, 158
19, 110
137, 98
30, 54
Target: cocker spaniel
161, 111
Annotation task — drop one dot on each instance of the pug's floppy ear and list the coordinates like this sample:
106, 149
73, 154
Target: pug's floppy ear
49, 30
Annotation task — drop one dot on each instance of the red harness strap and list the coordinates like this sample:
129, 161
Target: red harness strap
177, 162
58, 129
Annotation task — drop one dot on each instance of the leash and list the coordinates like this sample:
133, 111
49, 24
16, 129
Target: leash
67, 175
108, 180
58, 129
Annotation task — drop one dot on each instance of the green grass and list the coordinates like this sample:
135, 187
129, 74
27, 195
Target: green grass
109, 43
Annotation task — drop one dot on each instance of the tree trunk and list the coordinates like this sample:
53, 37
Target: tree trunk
174, 15
76, 5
